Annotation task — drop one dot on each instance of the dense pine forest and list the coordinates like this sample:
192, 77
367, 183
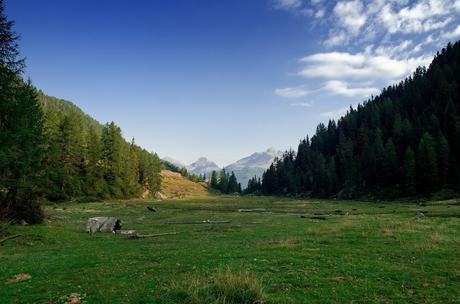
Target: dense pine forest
50, 149
224, 182
404, 142
84, 159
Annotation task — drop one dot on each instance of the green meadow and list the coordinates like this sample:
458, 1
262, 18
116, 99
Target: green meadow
280, 251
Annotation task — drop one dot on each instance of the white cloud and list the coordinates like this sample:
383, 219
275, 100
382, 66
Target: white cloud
453, 34
302, 104
360, 66
350, 15
342, 88
295, 92
335, 39
320, 13
370, 43
288, 4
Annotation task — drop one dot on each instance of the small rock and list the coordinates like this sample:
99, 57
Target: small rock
153, 209
23, 223
420, 215
160, 196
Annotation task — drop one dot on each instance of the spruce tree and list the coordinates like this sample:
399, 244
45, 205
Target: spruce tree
214, 183
21, 133
409, 172
427, 168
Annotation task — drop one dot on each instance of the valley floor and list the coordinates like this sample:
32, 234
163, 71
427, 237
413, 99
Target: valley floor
287, 251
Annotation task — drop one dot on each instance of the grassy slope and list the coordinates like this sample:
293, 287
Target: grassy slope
174, 185
374, 254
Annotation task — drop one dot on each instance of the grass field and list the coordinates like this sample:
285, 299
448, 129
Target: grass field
360, 253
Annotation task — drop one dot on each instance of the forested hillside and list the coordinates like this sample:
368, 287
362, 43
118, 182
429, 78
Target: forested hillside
404, 142
50, 149
85, 159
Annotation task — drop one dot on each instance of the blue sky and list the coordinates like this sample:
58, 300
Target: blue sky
224, 79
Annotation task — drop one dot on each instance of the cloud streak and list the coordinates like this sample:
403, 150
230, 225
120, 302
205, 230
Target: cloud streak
369, 44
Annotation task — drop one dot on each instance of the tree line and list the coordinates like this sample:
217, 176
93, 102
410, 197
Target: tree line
403, 142
224, 182
51, 150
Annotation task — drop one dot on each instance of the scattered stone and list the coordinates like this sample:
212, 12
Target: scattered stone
420, 215
103, 224
18, 278
153, 209
73, 298
160, 196
23, 223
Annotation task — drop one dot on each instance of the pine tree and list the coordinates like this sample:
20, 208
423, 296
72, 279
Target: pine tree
21, 133
427, 168
443, 160
409, 172
214, 183
232, 186
223, 181
390, 164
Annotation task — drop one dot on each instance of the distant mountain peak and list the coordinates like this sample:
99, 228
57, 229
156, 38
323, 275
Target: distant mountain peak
203, 166
253, 165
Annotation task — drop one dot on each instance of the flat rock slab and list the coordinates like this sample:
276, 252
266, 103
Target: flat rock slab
103, 224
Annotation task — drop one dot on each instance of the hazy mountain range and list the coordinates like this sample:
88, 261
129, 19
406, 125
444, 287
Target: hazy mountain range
245, 168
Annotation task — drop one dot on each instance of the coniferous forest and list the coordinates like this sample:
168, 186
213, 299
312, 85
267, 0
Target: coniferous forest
404, 142
51, 150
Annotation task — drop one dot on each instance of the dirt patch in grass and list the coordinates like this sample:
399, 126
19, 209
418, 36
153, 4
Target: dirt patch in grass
18, 278
73, 298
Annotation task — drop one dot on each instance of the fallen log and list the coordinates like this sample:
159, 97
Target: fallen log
199, 222
135, 235
252, 210
9, 238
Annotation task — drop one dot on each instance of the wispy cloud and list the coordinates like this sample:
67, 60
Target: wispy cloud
342, 88
295, 92
370, 65
454, 34
302, 104
288, 4
368, 44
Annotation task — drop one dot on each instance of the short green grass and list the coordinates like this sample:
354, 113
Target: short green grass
362, 253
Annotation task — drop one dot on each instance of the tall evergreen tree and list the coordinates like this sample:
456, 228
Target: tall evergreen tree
427, 168
21, 133
409, 172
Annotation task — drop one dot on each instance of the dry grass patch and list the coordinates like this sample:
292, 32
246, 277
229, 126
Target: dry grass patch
285, 242
174, 185
225, 286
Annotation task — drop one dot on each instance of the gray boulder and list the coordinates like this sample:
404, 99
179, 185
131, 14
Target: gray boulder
103, 224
